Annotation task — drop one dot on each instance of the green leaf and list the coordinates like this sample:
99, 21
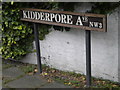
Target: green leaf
20, 27
12, 2
23, 31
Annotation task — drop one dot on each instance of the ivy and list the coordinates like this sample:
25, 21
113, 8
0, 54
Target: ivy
14, 34
17, 36
43, 30
104, 7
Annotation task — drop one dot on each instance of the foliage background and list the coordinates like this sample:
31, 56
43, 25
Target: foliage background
17, 36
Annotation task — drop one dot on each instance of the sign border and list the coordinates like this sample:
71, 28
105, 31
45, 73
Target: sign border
67, 25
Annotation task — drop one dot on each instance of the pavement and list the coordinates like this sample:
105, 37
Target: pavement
14, 77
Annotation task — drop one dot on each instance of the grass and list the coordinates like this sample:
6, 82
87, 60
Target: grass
77, 80
5, 66
5, 81
28, 68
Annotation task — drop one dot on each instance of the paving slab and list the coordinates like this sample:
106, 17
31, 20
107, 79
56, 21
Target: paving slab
14, 77
27, 82
12, 72
55, 85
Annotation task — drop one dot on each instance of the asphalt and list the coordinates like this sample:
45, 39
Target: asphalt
14, 77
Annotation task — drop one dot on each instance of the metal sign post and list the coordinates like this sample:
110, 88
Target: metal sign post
37, 48
85, 21
88, 58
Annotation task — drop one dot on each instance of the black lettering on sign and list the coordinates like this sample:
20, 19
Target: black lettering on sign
67, 19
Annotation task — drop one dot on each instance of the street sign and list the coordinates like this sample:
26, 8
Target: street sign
84, 21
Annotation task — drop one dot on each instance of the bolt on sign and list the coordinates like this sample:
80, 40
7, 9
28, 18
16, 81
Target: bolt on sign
84, 21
